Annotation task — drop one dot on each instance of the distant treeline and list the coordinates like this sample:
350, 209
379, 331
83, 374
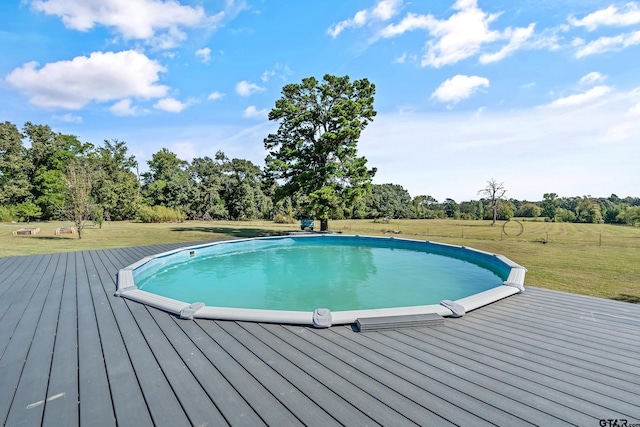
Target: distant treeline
41, 182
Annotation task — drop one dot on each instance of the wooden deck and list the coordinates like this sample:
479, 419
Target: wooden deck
71, 354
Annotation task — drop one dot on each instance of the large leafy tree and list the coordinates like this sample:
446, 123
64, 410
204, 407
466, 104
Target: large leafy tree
15, 187
313, 153
388, 200
167, 183
549, 205
208, 179
50, 154
116, 190
243, 195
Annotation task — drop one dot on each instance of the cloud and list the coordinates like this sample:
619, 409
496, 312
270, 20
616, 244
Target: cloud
606, 44
252, 112
267, 75
609, 16
279, 71
101, 77
170, 105
204, 54
581, 98
382, 11
245, 88
592, 77
157, 22
459, 87
460, 36
214, 96
517, 38
124, 108
69, 118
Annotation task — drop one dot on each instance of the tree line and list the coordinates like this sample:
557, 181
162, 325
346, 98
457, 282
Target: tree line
58, 173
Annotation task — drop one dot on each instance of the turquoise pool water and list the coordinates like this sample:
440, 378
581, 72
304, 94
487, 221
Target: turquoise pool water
302, 274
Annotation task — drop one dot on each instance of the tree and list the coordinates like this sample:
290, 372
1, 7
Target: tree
388, 200
27, 211
494, 191
207, 176
549, 205
451, 208
314, 150
529, 210
15, 187
587, 210
116, 189
168, 183
78, 202
473, 209
243, 195
50, 154
427, 207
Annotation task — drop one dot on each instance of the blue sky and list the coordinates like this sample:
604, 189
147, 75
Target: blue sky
541, 95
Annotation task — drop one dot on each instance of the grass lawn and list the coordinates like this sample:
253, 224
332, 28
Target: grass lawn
592, 259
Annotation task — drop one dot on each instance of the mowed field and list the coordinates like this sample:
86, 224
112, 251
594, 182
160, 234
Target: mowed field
593, 259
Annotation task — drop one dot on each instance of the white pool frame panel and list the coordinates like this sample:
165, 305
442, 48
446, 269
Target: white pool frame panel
127, 288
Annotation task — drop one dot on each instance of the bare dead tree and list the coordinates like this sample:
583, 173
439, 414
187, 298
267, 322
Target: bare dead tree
494, 191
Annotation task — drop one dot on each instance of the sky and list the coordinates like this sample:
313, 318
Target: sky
543, 96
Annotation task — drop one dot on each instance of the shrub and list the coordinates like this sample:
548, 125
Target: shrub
148, 214
7, 213
27, 211
283, 219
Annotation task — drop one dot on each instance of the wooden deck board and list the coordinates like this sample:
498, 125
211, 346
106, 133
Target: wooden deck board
19, 335
31, 393
71, 353
63, 378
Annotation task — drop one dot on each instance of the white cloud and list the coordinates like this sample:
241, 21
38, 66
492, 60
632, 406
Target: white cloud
204, 54
124, 107
279, 71
606, 44
592, 77
170, 105
267, 75
245, 88
214, 96
401, 59
581, 98
158, 22
409, 23
609, 16
382, 11
69, 118
252, 112
101, 77
386, 9
459, 87
460, 36
517, 38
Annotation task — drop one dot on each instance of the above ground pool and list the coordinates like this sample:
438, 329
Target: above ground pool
320, 280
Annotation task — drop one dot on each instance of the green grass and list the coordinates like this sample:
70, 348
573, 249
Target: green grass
592, 259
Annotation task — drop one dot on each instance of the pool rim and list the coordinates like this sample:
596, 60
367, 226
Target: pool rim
126, 288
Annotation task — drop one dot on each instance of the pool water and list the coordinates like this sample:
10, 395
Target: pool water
302, 275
